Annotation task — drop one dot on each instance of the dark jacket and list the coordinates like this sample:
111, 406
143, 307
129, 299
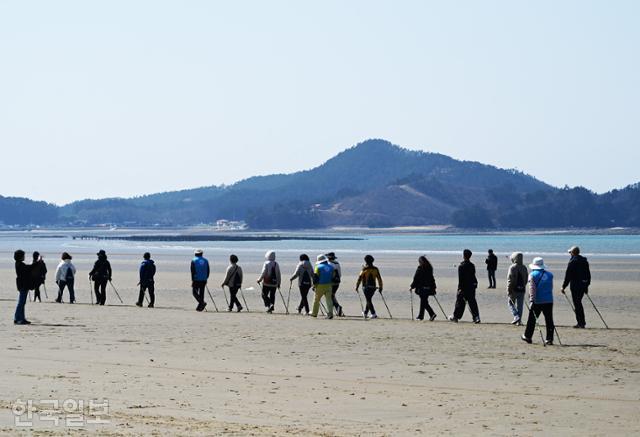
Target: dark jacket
423, 280
467, 276
147, 270
38, 273
101, 270
23, 276
578, 274
492, 262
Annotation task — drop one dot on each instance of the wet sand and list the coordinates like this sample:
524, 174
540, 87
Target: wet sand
173, 371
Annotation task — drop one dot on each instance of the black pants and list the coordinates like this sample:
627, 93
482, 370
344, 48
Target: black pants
466, 297
198, 292
368, 294
36, 293
336, 304
152, 295
269, 296
233, 291
576, 295
424, 305
69, 285
547, 310
100, 288
304, 303
492, 278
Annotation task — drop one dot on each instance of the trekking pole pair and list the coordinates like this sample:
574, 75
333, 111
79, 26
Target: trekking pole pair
592, 303
530, 308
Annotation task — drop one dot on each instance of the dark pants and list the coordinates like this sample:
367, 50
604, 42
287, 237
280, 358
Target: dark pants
534, 313
424, 305
22, 301
152, 295
198, 292
466, 297
100, 289
492, 278
69, 285
368, 294
576, 295
304, 303
336, 304
233, 291
269, 296
36, 293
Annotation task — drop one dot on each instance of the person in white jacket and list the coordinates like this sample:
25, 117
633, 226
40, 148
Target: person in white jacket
304, 274
65, 277
269, 280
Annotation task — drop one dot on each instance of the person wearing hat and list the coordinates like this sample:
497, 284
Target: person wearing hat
65, 277
23, 278
147, 272
199, 276
540, 300
304, 273
323, 285
337, 275
467, 284
233, 280
578, 278
492, 266
368, 278
38, 275
269, 280
100, 275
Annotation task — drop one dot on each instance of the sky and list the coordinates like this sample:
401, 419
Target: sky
123, 98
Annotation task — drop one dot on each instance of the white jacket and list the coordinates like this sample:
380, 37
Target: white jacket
61, 271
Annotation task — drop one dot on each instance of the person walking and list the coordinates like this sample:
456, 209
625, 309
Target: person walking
38, 275
270, 281
101, 275
516, 287
323, 286
23, 279
233, 280
424, 285
492, 266
337, 276
147, 272
368, 278
578, 278
304, 273
65, 277
540, 300
467, 284
199, 276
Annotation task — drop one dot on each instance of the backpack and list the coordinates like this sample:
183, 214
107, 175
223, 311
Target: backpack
69, 274
370, 280
305, 280
272, 277
520, 284
335, 277
236, 278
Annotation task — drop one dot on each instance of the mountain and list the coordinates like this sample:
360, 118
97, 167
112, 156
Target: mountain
374, 183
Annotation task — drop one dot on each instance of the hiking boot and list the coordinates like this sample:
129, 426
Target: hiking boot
299, 310
329, 317
239, 309
139, 304
21, 322
476, 320
373, 316
229, 309
58, 300
419, 318
270, 310
432, 318
516, 320
453, 319
150, 305
365, 315
579, 326
525, 339
340, 312
549, 342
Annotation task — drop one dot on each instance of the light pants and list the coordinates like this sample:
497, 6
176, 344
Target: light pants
320, 291
516, 304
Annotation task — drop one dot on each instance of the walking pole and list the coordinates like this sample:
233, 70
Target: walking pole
117, 294
289, 295
537, 325
286, 307
411, 296
569, 300
44, 286
225, 296
361, 305
441, 309
211, 296
245, 300
595, 308
91, 290
385, 303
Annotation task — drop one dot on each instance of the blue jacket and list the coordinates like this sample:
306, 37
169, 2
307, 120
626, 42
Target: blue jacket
147, 271
323, 274
199, 269
541, 286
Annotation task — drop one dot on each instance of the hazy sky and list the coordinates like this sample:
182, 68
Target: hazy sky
118, 98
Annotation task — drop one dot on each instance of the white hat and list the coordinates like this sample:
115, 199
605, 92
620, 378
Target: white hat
198, 252
537, 264
322, 258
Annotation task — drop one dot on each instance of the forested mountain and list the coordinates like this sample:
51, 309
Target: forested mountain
371, 184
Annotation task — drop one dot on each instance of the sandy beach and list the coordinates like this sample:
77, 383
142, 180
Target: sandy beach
173, 371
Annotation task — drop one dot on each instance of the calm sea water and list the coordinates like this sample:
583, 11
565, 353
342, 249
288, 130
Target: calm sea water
592, 245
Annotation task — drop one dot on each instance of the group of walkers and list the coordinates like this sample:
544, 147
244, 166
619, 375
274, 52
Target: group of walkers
325, 278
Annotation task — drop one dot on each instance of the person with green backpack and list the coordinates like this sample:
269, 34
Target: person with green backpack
304, 274
270, 281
